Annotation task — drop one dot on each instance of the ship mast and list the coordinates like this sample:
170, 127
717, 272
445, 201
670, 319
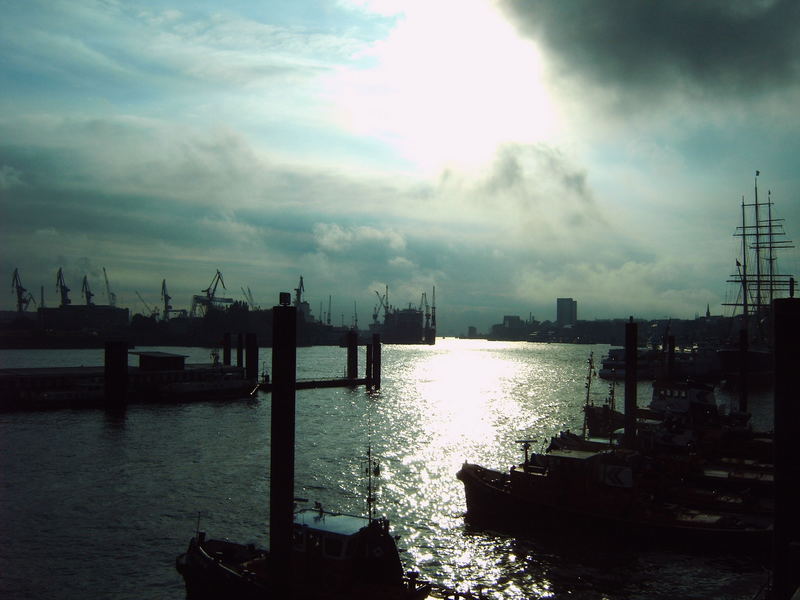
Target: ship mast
762, 283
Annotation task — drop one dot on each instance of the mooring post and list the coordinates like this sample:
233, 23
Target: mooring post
670, 357
226, 348
368, 361
240, 350
376, 361
116, 372
786, 552
282, 432
352, 354
251, 359
631, 347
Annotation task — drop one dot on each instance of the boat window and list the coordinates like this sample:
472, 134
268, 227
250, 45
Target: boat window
299, 539
314, 542
333, 547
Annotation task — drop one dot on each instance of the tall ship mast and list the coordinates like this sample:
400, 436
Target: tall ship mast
758, 281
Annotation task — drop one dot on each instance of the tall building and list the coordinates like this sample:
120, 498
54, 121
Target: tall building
566, 311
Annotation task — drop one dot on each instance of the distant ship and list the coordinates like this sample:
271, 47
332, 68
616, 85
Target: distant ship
412, 325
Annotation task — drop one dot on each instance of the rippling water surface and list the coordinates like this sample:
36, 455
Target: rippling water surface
98, 505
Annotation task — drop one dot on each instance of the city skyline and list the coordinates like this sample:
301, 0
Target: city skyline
506, 153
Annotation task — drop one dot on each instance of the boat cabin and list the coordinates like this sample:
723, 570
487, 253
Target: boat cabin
345, 548
679, 396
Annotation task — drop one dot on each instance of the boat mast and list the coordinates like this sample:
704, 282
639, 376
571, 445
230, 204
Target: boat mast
757, 247
745, 308
588, 386
770, 248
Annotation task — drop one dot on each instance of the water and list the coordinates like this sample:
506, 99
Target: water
95, 504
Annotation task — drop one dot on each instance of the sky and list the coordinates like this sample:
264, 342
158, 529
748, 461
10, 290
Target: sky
506, 152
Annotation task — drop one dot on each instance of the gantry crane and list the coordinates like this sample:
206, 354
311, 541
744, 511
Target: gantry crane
153, 311
112, 297
298, 292
62, 288
248, 296
86, 291
24, 297
210, 298
165, 297
423, 304
168, 310
383, 303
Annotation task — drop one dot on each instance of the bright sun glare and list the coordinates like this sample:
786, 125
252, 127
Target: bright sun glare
450, 83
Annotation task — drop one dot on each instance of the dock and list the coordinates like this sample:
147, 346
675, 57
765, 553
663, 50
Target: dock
161, 377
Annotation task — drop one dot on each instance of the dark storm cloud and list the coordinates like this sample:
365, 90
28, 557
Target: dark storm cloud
721, 46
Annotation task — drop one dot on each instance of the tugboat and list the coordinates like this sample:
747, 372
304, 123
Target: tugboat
334, 556
614, 491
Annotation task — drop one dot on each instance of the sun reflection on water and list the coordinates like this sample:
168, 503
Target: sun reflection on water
467, 401
439, 406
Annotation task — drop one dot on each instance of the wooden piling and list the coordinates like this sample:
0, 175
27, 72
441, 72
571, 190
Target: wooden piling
631, 359
240, 350
352, 354
251, 358
226, 348
368, 367
282, 431
670, 357
786, 552
116, 372
376, 361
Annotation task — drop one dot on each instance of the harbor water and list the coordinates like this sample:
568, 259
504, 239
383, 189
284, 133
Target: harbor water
97, 504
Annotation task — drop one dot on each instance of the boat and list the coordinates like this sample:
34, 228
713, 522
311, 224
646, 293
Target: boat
758, 282
335, 555
613, 364
683, 416
614, 491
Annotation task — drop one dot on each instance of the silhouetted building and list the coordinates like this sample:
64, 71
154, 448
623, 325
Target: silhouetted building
566, 311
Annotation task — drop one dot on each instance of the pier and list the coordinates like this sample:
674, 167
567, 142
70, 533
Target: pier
163, 377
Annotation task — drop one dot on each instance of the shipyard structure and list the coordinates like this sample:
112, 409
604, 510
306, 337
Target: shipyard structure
211, 316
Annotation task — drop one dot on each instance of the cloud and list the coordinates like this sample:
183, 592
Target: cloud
712, 48
9, 177
331, 237
535, 191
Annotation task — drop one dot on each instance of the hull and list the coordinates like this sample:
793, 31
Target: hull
219, 570
491, 501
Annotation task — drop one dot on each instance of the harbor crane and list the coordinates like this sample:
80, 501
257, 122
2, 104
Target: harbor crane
248, 295
168, 310
383, 303
112, 297
165, 297
86, 291
153, 312
62, 288
24, 297
433, 310
298, 292
423, 303
210, 299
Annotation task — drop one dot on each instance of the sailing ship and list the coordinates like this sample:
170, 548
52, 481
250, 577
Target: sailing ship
758, 282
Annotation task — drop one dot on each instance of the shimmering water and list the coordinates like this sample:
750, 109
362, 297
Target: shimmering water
98, 505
